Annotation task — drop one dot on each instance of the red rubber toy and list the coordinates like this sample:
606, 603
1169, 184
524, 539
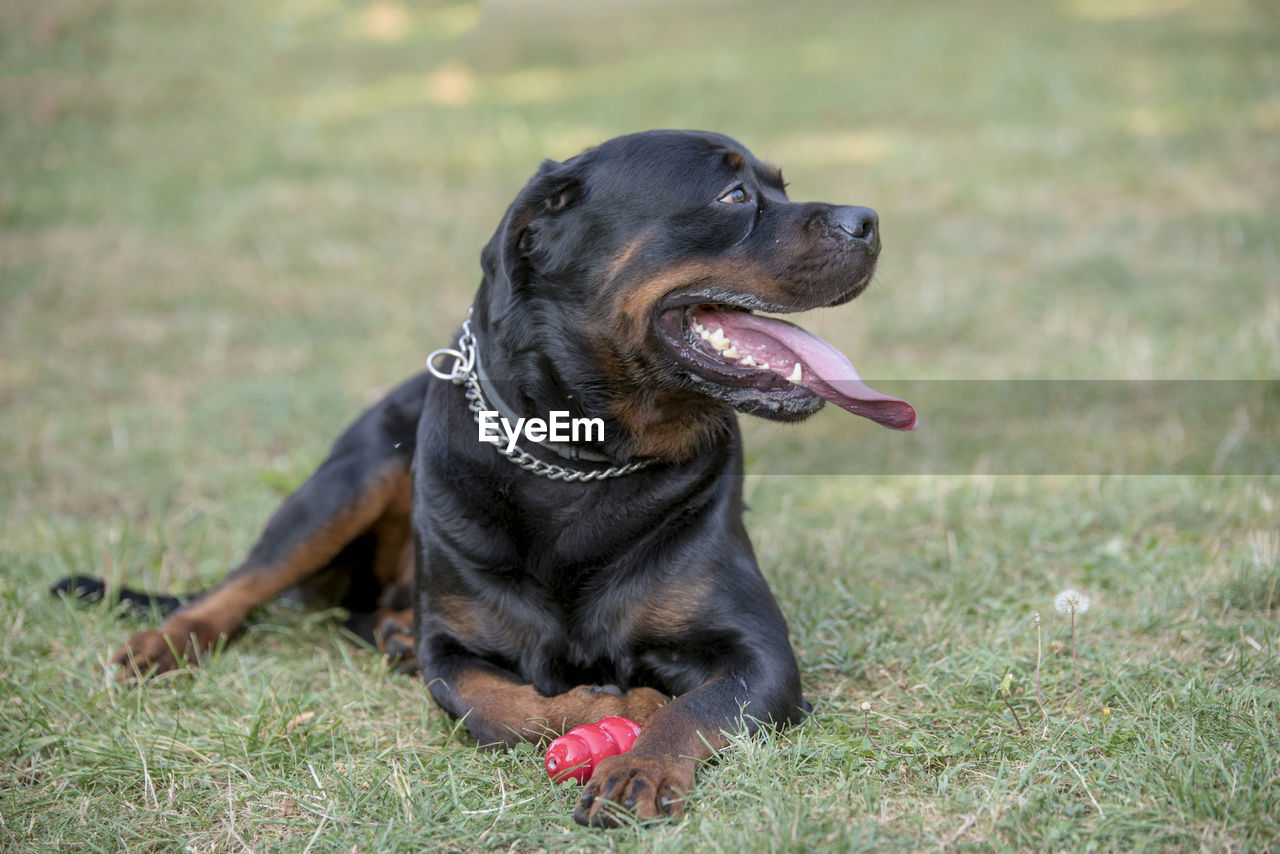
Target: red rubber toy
574, 755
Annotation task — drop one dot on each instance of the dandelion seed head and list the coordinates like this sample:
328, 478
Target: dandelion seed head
1037, 616
866, 707
1071, 601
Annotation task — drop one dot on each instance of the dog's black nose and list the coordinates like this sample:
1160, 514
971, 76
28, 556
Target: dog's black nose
861, 224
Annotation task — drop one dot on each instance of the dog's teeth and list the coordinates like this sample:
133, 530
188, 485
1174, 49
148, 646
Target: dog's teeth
718, 340
764, 366
731, 353
748, 360
795, 374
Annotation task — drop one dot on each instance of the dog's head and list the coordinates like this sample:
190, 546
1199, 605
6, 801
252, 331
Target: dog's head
625, 284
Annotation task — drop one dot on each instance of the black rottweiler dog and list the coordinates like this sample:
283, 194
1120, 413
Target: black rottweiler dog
543, 583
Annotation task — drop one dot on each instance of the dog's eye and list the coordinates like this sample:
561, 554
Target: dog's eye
737, 196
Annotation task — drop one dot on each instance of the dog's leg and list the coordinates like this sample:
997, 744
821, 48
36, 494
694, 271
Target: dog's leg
340, 502
500, 710
362, 488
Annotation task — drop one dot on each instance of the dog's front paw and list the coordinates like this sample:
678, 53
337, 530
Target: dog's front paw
633, 788
178, 642
593, 702
639, 704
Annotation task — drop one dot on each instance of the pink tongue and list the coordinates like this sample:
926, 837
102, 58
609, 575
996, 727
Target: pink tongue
823, 368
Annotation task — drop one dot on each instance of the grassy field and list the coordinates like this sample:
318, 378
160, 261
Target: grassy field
226, 227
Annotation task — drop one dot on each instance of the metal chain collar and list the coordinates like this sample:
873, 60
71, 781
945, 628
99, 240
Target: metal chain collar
463, 373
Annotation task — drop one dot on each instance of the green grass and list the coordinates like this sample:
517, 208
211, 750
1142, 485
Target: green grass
225, 228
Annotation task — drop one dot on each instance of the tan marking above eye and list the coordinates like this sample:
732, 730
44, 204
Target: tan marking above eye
623, 258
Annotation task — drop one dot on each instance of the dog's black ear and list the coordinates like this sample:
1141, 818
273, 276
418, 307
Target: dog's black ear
555, 188
568, 194
556, 198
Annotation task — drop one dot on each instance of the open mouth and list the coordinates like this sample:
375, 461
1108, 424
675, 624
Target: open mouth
764, 357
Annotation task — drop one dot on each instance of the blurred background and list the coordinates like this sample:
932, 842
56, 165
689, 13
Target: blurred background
229, 226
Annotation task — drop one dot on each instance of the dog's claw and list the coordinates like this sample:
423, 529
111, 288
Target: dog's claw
626, 788
394, 638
